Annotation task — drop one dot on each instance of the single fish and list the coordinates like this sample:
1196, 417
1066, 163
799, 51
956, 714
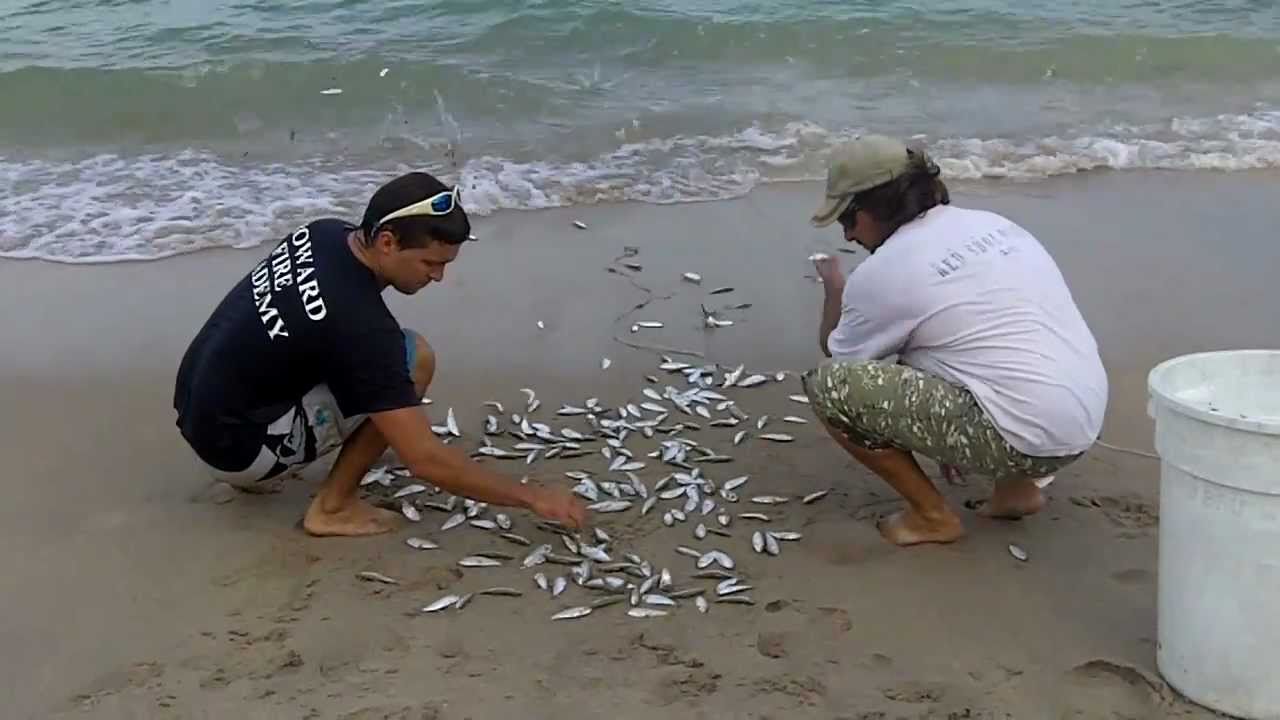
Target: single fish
701, 603
685, 593
735, 483
503, 521
594, 552
735, 600
729, 496
501, 591
558, 585
610, 506
769, 499
754, 516
371, 576
1018, 553
656, 599
785, 535
517, 539
795, 420
571, 410
639, 612
692, 277
484, 524
649, 324
444, 602
537, 557
724, 519
451, 422
605, 363
814, 497
685, 550
760, 423
331, 91
462, 601
579, 224
409, 511
757, 541
648, 504
776, 437
454, 521
540, 580
413, 489
573, 613
601, 535
738, 437
700, 531
713, 574
721, 291
418, 543
798, 398
476, 561
730, 586
752, 380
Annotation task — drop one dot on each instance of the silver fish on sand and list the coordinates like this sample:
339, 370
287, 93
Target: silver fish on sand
735, 483
451, 422
579, 224
771, 544
411, 489
640, 612
418, 543
1018, 553
649, 324
785, 534
572, 613
610, 506
795, 420
536, 557
814, 497
409, 511
752, 381
605, 363
692, 277
754, 516
462, 601
558, 585
371, 576
715, 557
738, 437
500, 591
757, 541
701, 603
799, 398
540, 580
476, 561
776, 437
454, 521
503, 521
484, 524
769, 499
445, 602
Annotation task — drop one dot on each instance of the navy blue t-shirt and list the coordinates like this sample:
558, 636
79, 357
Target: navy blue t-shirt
309, 313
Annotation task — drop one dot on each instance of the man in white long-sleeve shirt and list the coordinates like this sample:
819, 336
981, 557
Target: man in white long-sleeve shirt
996, 372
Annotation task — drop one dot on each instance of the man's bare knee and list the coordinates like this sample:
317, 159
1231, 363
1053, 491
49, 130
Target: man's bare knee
424, 363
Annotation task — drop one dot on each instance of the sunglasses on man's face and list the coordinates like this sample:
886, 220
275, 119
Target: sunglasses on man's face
849, 218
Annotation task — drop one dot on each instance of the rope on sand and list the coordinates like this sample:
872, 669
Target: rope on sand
1128, 451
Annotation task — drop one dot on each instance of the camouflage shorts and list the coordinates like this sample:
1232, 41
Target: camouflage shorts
879, 405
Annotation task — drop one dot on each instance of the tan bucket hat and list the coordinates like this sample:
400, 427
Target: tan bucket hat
859, 165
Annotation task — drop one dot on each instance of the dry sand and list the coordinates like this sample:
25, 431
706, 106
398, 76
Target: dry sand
131, 589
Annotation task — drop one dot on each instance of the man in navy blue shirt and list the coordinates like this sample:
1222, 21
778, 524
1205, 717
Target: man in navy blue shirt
303, 356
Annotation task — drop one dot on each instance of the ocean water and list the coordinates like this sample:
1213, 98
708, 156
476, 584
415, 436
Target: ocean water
134, 129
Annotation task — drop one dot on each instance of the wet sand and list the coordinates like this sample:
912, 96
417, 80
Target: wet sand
133, 590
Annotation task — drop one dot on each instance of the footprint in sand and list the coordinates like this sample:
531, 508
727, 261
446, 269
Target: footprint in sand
1131, 513
1105, 689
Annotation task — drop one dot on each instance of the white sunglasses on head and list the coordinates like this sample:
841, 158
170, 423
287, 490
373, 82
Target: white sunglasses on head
441, 203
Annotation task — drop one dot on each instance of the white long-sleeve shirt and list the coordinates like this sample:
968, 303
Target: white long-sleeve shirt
972, 297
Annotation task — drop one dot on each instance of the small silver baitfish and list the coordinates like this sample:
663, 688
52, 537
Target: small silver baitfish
454, 521
371, 576
610, 506
639, 612
771, 544
573, 613
814, 496
517, 539
477, 561
418, 543
607, 600
757, 541
769, 499
444, 602
409, 490
656, 599
685, 550
558, 585
701, 603
484, 524
785, 535
686, 593
540, 580
776, 437
501, 591
409, 511
754, 516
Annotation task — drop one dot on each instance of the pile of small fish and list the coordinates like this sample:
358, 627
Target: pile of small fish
604, 575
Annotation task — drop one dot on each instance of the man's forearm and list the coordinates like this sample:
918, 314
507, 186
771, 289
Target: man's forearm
451, 471
831, 305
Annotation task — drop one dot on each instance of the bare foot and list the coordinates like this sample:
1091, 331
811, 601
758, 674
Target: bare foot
355, 518
1012, 500
909, 528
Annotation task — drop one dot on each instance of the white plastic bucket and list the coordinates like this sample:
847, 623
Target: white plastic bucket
1217, 431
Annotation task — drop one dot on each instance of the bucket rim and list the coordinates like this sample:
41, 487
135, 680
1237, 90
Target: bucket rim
1182, 407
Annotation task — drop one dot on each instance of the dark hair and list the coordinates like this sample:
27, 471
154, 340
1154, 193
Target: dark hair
416, 231
907, 196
